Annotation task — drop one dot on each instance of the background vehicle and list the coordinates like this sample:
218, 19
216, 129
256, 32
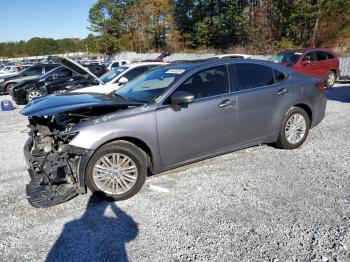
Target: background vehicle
58, 80
160, 58
7, 83
115, 78
318, 62
97, 70
168, 117
114, 64
8, 69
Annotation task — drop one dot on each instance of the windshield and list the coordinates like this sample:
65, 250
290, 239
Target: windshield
286, 57
113, 74
150, 85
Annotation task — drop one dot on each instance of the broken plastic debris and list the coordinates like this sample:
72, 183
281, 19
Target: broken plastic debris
158, 189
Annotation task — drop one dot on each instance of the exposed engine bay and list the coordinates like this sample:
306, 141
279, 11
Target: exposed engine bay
56, 168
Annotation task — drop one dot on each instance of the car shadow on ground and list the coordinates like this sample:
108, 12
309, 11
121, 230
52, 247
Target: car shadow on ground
94, 236
340, 93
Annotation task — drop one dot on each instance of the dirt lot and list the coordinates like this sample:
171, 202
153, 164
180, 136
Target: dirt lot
258, 204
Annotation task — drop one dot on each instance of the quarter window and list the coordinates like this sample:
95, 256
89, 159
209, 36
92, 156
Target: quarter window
330, 56
253, 75
209, 82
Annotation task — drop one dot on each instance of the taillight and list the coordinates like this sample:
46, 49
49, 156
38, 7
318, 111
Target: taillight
106, 69
320, 85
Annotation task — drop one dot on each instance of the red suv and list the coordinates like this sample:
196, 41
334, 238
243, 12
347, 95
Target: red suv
318, 62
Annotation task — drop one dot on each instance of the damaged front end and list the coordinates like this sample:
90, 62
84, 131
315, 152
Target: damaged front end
53, 163
56, 167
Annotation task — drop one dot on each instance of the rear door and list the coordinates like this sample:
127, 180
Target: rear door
206, 125
322, 64
261, 93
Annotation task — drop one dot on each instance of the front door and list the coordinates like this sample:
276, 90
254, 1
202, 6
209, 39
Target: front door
206, 125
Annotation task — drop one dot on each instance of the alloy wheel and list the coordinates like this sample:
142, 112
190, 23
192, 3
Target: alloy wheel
295, 128
33, 94
115, 173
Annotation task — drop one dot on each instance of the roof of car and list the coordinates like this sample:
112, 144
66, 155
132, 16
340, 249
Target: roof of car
144, 63
232, 55
191, 64
304, 50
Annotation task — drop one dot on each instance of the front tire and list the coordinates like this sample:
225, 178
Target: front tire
294, 129
33, 93
117, 170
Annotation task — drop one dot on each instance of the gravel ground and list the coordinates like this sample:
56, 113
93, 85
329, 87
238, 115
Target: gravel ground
258, 204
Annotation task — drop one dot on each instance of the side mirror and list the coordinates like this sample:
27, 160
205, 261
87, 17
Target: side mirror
123, 80
181, 97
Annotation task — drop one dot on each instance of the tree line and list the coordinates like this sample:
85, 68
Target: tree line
258, 26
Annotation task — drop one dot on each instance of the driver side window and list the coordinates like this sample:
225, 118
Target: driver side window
206, 83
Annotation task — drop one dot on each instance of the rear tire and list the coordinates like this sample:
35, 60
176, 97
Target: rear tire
117, 170
9, 88
330, 79
294, 129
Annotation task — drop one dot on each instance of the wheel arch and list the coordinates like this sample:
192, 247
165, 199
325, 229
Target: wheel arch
133, 140
306, 108
6, 87
334, 71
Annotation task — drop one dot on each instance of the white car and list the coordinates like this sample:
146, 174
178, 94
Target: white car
8, 70
119, 76
232, 56
114, 64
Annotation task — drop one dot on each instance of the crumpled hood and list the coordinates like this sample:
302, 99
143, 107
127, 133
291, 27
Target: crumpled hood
53, 104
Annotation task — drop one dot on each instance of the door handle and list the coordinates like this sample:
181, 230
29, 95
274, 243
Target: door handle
227, 103
282, 91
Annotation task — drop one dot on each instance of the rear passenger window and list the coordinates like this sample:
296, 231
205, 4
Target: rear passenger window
321, 56
279, 76
209, 82
253, 75
330, 56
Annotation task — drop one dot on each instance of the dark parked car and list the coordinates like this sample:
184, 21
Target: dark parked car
317, 62
97, 70
58, 80
7, 83
168, 117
